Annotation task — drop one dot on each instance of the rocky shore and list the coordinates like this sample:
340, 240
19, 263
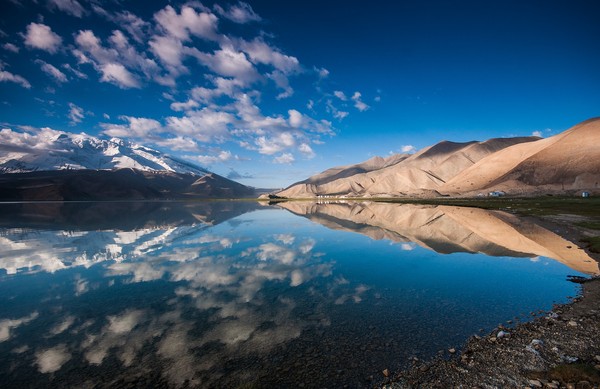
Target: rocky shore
558, 349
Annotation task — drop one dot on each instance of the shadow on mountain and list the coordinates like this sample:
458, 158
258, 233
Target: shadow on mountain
448, 229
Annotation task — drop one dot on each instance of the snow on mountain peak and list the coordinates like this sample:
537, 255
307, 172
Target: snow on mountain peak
49, 149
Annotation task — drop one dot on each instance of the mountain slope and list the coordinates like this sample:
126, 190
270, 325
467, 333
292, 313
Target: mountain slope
569, 161
79, 151
61, 166
419, 174
121, 184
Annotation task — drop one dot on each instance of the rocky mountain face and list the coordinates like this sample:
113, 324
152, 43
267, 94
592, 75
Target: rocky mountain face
82, 167
565, 163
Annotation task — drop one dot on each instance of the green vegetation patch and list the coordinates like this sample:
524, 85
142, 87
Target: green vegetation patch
593, 243
575, 372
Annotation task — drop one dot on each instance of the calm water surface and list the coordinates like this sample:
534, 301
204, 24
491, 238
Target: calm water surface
238, 294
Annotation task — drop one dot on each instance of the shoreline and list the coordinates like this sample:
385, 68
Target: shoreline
559, 349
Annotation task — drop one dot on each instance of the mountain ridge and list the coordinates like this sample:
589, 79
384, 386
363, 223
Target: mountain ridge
564, 163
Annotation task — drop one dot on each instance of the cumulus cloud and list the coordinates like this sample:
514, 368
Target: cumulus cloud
212, 159
305, 149
7, 325
358, 103
228, 62
188, 21
275, 144
537, 133
240, 13
184, 106
408, 149
76, 114
178, 143
260, 52
71, 7
117, 74
76, 72
321, 72
10, 77
10, 47
135, 128
41, 36
117, 62
204, 125
52, 71
340, 95
285, 158
340, 115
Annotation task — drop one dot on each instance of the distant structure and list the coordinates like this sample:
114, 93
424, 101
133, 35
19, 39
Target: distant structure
497, 193
585, 194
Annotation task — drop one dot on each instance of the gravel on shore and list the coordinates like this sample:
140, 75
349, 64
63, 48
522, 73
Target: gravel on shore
558, 349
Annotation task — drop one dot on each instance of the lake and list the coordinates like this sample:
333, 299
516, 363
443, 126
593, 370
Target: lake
241, 294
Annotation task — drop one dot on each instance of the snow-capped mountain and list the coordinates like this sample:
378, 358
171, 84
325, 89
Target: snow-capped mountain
65, 151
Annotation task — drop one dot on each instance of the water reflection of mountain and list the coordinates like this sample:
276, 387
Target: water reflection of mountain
56, 236
448, 229
121, 216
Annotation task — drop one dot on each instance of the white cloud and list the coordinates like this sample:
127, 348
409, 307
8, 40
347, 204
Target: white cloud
178, 143
75, 71
181, 25
135, 26
168, 50
296, 118
305, 149
536, 133
117, 74
40, 36
358, 104
340, 115
282, 83
135, 128
10, 47
408, 149
212, 159
205, 125
275, 144
72, 7
240, 13
260, 52
322, 72
114, 62
10, 77
52, 71
228, 62
340, 95
285, 158
76, 114
186, 106
377, 99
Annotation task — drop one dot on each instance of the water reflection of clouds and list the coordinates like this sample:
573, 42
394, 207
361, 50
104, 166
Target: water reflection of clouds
217, 278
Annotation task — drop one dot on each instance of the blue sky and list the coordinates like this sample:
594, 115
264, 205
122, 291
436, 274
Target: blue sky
270, 92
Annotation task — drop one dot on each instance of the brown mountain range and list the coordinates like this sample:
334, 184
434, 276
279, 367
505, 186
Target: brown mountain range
564, 163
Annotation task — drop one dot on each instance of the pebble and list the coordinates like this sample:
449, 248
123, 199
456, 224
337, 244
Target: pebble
552, 385
452, 350
535, 383
536, 342
386, 373
502, 334
597, 357
572, 323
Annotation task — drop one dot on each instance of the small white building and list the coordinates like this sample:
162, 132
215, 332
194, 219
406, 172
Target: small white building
585, 194
497, 193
